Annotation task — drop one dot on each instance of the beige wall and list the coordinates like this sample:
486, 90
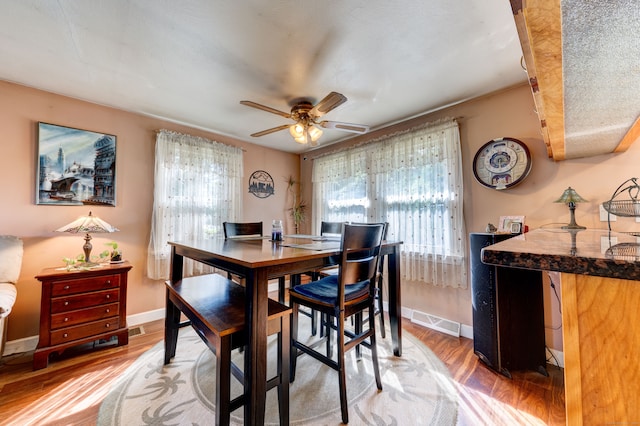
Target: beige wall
511, 113
20, 110
508, 113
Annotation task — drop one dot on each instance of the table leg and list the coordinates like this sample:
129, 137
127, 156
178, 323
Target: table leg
395, 308
255, 374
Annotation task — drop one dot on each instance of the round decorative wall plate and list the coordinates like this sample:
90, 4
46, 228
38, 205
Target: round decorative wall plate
261, 184
502, 163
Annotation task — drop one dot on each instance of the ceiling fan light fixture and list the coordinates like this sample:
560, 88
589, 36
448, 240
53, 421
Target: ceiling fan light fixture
307, 129
302, 139
315, 133
296, 130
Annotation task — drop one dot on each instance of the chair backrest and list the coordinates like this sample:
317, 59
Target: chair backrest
331, 228
386, 227
360, 253
233, 229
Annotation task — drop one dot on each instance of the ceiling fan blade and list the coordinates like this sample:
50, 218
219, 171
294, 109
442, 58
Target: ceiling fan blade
272, 130
266, 108
347, 127
331, 101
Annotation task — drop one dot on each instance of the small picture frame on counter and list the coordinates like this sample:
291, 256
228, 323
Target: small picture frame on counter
511, 224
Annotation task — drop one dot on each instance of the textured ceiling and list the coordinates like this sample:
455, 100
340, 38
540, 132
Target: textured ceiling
583, 61
193, 61
601, 67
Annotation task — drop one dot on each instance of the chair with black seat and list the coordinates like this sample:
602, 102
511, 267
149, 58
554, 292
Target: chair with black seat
380, 280
329, 230
249, 229
351, 292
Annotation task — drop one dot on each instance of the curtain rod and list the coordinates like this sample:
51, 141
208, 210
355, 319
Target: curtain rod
386, 136
194, 136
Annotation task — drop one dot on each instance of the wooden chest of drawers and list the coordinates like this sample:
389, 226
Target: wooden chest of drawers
81, 306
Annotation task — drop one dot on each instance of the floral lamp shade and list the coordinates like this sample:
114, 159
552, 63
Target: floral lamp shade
89, 225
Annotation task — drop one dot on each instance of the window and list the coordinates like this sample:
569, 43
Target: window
198, 185
413, 181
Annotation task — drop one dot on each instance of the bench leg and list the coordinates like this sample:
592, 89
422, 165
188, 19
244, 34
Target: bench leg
171, 328
223, 380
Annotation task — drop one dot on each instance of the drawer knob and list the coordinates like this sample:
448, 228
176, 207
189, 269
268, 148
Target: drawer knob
108, 296
107, 325
65, 335
107, 310
66, 319
66, 287
108, 282
66, 303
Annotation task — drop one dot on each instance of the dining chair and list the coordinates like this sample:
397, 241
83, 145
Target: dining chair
326, 229
246, 229
380, 280
235, 229
351, 292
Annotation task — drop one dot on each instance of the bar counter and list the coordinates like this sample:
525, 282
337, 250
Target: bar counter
600, 315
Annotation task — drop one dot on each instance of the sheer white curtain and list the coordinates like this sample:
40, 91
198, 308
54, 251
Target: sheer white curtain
198, 185
413, 181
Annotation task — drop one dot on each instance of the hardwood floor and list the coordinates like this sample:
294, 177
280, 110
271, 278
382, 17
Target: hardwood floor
70, 390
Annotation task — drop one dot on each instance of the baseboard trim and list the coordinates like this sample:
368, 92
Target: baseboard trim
27, 344
30, 343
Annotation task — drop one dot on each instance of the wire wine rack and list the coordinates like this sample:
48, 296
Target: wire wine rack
624, 202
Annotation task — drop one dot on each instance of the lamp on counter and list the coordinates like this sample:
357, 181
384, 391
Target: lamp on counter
89, 225
570, 197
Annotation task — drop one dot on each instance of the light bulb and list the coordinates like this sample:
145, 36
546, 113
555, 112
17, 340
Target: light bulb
296, 130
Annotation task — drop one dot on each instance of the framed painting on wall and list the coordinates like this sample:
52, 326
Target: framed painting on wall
75, 167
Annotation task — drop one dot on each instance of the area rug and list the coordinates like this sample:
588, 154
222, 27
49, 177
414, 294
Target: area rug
417, 389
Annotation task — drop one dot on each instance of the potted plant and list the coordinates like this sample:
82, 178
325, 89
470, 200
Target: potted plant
298, 207
114, 255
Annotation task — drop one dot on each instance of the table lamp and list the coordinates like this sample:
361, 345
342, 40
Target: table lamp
570, 197
90, 225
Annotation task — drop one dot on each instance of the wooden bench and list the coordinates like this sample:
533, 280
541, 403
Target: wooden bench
215, 307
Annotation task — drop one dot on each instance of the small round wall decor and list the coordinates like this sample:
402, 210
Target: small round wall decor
261, 184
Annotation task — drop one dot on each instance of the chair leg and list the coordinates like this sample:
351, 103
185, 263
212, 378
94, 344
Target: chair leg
342, 375
374, 347
314, 322
357, 328
327, 322
293, 338
381, 308
284, 349
281, 289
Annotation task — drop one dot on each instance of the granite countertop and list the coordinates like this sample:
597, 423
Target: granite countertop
589, 252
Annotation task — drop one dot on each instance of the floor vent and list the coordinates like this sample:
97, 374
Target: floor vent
440, 324
136, 331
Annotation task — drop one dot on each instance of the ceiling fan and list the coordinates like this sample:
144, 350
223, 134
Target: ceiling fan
306, 128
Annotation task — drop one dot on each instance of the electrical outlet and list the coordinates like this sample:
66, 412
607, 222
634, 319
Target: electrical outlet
606, 243
604, 215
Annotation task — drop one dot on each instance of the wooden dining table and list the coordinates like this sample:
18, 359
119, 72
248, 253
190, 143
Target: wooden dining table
260, 260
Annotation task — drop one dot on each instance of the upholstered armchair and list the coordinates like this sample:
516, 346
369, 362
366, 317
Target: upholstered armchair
11, 250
